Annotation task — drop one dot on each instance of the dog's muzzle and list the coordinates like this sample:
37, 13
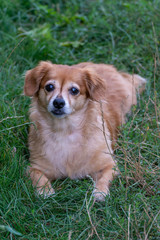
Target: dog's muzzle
58, 107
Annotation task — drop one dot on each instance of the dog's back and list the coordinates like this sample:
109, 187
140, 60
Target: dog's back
120, 88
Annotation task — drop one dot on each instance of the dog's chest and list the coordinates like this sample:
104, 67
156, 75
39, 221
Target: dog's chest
64, 150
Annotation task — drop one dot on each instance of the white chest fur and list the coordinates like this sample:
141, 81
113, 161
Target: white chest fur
63, 150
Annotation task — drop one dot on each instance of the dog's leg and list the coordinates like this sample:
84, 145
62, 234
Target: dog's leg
103, 179
41, 182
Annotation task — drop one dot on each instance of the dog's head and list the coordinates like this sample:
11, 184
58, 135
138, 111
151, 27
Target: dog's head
62, 89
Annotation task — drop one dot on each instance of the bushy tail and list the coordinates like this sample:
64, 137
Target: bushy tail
136, 80
139, 82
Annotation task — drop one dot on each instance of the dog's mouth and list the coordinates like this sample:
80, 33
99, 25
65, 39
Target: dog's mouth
58, 113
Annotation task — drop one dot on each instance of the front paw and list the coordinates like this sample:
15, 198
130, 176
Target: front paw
45, 192
99, 195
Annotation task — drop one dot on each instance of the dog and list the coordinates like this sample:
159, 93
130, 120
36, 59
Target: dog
76, 112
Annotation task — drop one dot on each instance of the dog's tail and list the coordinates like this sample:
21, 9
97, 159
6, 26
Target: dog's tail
138, 81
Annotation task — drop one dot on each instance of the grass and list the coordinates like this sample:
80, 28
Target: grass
123, 33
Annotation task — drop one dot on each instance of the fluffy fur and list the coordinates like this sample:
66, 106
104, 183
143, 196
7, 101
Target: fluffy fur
76, 123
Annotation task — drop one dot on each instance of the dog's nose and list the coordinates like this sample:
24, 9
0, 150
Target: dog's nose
58, 103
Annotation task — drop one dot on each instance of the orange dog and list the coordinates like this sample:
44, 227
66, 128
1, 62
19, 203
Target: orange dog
76, 112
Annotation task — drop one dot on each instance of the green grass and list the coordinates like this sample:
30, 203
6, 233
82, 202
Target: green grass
123, 33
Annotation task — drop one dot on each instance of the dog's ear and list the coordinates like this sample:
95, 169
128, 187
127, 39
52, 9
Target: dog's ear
34, 76
94, 84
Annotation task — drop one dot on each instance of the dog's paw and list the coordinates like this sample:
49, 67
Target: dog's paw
100, 196
45, 192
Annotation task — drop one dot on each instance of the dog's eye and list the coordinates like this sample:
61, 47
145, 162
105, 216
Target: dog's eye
49, 87
74, 91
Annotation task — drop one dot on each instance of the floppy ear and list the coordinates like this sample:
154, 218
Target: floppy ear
94, 84
34, 76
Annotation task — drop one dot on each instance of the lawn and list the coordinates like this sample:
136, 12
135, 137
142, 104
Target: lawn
123, 33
